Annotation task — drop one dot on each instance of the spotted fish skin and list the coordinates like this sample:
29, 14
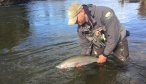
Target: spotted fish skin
76, 61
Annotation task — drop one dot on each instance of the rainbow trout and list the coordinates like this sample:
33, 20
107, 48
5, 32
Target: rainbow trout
77, 61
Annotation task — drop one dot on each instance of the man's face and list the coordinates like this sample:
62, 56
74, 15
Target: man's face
81, 18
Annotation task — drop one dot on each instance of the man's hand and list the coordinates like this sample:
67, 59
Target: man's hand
102, 59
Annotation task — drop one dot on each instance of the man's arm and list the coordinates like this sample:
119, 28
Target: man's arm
112, 26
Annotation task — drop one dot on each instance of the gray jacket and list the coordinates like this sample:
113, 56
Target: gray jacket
102, 17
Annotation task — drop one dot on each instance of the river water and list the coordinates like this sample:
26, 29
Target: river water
35, 37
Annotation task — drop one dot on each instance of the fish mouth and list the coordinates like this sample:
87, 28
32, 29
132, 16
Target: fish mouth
61, 67
58, 66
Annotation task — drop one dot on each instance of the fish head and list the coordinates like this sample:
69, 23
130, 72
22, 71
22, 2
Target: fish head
61, 66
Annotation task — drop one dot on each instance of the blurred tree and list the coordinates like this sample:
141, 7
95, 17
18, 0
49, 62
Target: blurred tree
142, 8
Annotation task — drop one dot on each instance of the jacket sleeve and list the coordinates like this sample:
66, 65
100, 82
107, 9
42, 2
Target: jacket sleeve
84, 44
112, 26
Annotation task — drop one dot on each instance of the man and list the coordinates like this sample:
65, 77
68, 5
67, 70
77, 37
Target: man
100, 32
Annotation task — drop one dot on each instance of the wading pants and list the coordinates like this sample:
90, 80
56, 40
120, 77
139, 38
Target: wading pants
120, 53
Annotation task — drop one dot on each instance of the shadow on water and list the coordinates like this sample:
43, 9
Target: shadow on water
14, 27
89, 75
